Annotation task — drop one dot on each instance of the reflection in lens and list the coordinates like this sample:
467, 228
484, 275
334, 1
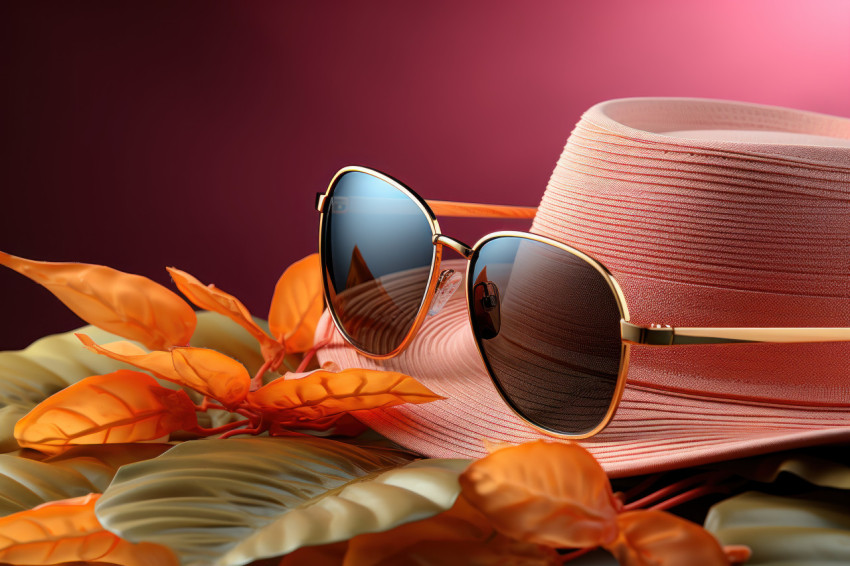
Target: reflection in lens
378, 256
556, 355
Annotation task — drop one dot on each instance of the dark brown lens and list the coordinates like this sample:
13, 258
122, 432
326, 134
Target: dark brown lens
548, 326
378, 255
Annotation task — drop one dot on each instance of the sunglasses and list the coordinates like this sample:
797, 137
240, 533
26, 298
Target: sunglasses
550, 322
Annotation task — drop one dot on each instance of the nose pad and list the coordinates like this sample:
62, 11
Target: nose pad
485, 309
447, 284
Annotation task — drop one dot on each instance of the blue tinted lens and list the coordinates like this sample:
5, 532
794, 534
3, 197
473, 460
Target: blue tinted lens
378, 256
548, 326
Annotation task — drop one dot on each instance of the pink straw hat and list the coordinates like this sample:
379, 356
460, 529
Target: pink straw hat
709, 214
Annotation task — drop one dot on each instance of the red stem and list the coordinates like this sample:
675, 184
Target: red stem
256, 430
257, 381
641, 486
689, 495
207, 406
220, 429
710, 477
310, 353
246, 412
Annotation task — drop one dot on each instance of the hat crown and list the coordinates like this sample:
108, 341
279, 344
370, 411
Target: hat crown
714, 213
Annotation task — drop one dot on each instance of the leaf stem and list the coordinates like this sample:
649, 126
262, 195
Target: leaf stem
690, 494
220, 429
257, 381
246, 412
310, 353
710, 477
206, 405
259, 428
642, 486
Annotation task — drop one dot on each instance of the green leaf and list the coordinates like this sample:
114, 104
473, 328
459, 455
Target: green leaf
219, 333
25, 483
786, 531
29, 376
229, 502
810, 465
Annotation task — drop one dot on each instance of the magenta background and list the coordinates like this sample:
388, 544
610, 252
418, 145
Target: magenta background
195, 134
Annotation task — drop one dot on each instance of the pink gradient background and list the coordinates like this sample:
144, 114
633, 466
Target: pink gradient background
196, 134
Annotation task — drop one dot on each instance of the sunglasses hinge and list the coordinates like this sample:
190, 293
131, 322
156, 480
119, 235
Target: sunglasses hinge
654, 335
456, 245
320, 201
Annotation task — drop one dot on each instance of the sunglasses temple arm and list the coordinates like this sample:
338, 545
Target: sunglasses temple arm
473, 210
670, 336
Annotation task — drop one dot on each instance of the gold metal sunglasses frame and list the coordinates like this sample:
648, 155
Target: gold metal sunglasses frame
630, 334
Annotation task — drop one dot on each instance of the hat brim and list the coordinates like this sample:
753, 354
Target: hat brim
653, 429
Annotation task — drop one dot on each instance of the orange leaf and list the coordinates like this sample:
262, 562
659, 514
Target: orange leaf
206, 371
158, 361
68, 531
656, 538
123, 406
297, 304
459, 536
128, 305
554, 494
209, 298
213, 374
500, 551
461, 523
320, 394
